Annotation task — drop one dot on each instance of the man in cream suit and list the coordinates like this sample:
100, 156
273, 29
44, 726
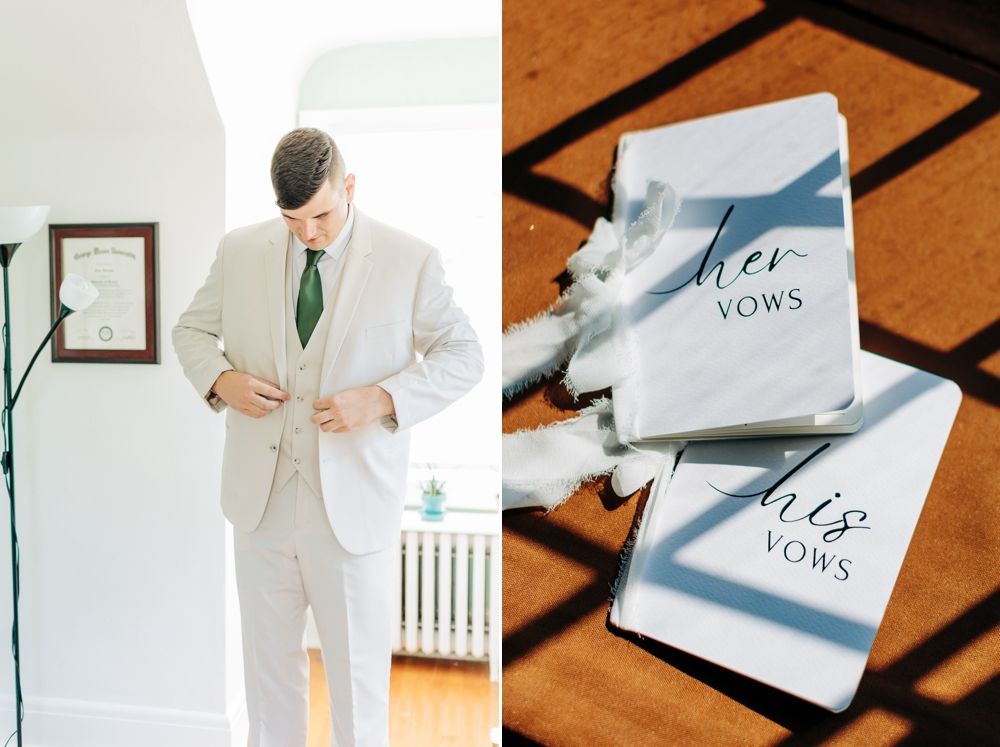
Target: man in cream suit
308, 330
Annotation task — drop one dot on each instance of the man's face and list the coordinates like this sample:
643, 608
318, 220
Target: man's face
318, 222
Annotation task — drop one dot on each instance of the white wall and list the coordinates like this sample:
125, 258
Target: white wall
108, 117
257, 52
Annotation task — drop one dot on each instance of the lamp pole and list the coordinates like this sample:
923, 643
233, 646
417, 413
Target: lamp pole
17, 224
10, 396
6, 254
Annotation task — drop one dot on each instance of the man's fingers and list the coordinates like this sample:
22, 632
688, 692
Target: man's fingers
269, 390
322, 416
326, 425
265, 404
248, 394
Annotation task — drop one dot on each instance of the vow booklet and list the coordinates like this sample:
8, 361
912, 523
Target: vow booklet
744, 320
776, 558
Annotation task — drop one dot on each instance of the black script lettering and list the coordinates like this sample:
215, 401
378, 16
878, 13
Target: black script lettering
770, 491
766, 501
750, 260
795, 298
832, 535
822, 560
701, 277
840, 526
841, 564
769, 545
775, 259
725, 312
739, 306
794, 542
812, 514
775, 301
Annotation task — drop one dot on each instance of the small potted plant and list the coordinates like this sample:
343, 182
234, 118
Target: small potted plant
433, 499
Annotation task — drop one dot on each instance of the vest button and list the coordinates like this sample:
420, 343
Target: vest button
302, 367
298, 430
297, 460
298, 399
273, 447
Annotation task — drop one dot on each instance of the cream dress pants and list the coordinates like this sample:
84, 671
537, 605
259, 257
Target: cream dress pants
290, 561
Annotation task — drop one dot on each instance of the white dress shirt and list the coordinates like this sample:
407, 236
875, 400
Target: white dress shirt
329, 265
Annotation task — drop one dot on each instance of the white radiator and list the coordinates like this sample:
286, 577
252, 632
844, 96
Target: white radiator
445, 591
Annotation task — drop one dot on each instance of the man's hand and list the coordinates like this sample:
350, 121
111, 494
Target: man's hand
352, 409
247, 394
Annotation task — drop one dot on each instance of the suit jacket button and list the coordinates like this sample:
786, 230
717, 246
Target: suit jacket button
298, 399
302, 367
273, 447
297, 460
298, 430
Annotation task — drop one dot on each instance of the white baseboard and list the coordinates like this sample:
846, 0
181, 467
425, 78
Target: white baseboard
62, 722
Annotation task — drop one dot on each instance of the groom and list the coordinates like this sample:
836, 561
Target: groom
307, 331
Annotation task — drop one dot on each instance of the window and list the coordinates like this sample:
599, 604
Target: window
421, 137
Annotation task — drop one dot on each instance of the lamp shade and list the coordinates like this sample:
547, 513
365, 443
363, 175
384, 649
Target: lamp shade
18, 224
76, 293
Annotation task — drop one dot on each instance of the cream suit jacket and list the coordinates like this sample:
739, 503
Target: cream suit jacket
391, 303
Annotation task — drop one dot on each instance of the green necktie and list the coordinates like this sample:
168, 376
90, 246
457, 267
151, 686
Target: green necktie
310, 297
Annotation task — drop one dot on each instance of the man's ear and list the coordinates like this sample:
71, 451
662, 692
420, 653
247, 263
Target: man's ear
349, 187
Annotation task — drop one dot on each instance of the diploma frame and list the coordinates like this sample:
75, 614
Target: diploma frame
149, 232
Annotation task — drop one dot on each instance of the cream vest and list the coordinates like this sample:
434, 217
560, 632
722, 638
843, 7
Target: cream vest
298, 450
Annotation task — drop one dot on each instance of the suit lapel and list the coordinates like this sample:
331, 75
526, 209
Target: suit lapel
352, 283
274, 275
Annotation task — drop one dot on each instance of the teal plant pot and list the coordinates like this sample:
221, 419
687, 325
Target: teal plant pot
433, 509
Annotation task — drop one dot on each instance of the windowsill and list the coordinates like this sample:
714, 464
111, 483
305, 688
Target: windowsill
454, 522
469, 488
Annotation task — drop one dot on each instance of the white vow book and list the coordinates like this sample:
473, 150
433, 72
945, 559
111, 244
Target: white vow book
744, 320
775, 558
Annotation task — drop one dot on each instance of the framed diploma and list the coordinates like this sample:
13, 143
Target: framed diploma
120, 259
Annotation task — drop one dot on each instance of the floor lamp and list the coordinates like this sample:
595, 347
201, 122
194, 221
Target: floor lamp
18, 224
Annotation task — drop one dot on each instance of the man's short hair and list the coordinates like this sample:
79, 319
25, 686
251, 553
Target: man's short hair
304, 159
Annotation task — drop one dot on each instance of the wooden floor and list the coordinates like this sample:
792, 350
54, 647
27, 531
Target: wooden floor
432, 703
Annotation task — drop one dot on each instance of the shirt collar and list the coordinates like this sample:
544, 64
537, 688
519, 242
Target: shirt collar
336, 249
